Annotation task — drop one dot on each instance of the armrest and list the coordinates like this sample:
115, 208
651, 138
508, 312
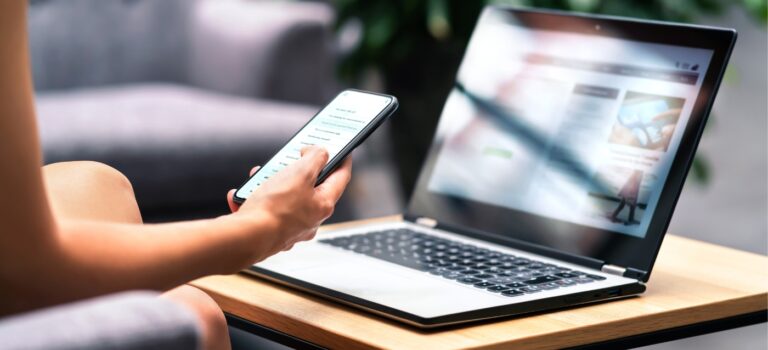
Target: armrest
267, 49
132, 320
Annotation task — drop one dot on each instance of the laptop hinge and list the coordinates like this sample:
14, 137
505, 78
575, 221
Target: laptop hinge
428, 222
613, 269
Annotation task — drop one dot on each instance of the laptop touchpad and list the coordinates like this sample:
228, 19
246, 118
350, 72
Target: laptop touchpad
380, 282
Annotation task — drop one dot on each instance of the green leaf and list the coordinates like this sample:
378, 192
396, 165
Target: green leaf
711, 122
583, 5
731, 76
438, 21
758, 9
700, 170
378, 30
516, 3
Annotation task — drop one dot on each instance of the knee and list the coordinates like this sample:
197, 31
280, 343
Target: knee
89, 174
208, 313
86, 185
104, 175
207, 309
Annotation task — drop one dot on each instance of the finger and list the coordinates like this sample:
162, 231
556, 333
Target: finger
301, 238
290, 243
233, 207
334, 184
254, 170
309, 236
304, 236
312, 161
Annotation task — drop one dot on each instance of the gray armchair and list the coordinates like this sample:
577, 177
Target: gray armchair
182, 96
124, 321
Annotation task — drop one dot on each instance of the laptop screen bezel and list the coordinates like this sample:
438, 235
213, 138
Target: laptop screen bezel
509, 226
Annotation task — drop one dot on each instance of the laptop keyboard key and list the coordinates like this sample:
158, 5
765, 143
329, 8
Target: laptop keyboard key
512, 293
521, 262
484, 284
500, 280
498, 288
507, 265
529, 289
566, 275
515, 285
523, 276
549, 286
582, 280
451, 275
469, 280
541, 279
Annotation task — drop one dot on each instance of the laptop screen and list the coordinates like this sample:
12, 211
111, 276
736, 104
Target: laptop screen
593, 122
577, 127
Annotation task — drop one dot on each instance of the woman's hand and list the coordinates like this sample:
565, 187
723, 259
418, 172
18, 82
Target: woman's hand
290, 202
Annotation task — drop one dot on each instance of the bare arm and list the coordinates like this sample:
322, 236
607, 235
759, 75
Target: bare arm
46, 260
26, 222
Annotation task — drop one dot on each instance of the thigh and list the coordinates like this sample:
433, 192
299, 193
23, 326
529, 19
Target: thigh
90, 191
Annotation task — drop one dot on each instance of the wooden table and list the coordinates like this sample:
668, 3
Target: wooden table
695, 288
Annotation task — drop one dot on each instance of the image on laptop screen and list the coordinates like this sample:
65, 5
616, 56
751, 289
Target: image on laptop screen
575, 127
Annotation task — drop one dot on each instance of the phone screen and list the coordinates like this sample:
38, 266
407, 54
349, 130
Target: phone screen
335, 126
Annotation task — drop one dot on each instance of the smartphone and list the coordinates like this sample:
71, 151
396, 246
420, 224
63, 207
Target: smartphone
338, 127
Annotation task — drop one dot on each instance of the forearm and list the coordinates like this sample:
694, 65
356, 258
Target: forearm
156, 256
93, 258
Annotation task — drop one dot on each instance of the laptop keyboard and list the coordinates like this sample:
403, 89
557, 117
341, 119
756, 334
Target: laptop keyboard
482, 268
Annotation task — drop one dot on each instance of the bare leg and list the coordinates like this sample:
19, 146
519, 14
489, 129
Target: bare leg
614, 216
631, 218
90, 191
215, 332
95, 191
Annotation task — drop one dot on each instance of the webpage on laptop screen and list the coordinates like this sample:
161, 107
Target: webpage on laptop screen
581, 128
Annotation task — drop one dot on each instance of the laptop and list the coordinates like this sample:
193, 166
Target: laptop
551, 179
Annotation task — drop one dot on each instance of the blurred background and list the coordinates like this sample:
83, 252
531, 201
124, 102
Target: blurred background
185, 96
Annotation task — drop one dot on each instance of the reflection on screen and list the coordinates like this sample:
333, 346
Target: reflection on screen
332, 128
568, 126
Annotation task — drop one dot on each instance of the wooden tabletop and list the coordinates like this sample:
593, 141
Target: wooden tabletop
692, 282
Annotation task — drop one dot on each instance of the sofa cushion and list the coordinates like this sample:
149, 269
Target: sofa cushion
181, 147
79, 43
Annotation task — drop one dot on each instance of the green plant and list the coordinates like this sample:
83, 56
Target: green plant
417, 45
